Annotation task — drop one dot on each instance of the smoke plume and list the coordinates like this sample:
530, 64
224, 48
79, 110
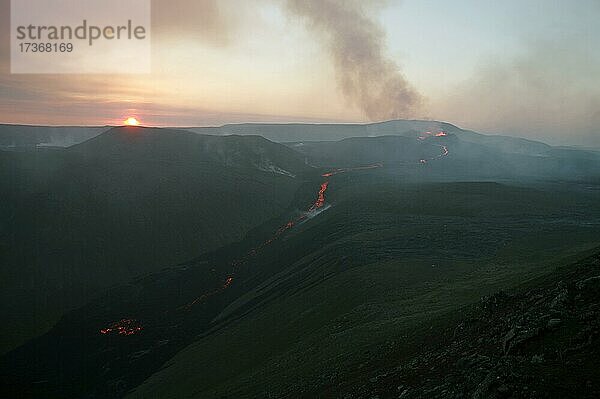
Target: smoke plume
355, 42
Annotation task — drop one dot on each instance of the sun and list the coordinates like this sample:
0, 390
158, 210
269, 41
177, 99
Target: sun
131, 121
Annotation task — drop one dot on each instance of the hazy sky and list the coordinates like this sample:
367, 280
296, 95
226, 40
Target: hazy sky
522, 67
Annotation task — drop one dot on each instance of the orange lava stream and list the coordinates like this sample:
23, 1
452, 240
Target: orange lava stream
318, 204
123, 327
321, 197
425, 136
130, 327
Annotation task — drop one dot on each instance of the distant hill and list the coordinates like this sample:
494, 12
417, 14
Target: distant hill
131, 200
465, 157
239, 152
23, 136
408, 128
368, 150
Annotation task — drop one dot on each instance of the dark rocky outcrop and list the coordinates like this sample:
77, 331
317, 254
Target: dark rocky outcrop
537, 342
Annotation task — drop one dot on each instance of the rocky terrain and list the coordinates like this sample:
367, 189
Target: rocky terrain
540, 341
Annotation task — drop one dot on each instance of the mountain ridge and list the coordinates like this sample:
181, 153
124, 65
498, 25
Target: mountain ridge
293, 132
170, 197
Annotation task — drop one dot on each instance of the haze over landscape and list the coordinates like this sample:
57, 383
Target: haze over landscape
310, 199
520, 68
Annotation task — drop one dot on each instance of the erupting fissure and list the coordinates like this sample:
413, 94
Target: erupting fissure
130, 327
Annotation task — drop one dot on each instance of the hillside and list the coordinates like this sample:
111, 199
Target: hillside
539, 340
372, 275
127, 202
315, 273
13, 137
379, 265
293, 133
368, 150
419, 156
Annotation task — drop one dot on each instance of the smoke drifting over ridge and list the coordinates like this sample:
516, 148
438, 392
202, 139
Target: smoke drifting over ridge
356, 44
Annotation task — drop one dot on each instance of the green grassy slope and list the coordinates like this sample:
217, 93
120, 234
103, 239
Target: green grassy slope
401, 248
537, 340
387, 262
125, 203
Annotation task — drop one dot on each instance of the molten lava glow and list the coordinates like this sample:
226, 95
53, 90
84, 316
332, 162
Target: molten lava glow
129, 327
228, 282
321, 196
131, 121
426, 135
318, 204
123, 327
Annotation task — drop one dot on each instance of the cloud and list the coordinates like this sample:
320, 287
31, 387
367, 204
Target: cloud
367, 78
549, 91
207, 21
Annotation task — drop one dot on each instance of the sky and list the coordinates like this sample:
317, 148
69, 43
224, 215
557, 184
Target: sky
528, 68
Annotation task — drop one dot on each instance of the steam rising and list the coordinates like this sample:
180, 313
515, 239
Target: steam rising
366, 77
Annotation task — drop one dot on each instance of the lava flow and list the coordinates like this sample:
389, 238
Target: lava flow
123, 327
226, 284
317, 205
426, 135
130, 327
321, 197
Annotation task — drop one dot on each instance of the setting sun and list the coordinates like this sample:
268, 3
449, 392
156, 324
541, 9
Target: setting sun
131, 121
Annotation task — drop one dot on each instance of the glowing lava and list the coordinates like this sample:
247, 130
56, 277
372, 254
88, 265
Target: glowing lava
123, 327
321, 197
318, 204
228, 282
426, 135
130, 327
127, 327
